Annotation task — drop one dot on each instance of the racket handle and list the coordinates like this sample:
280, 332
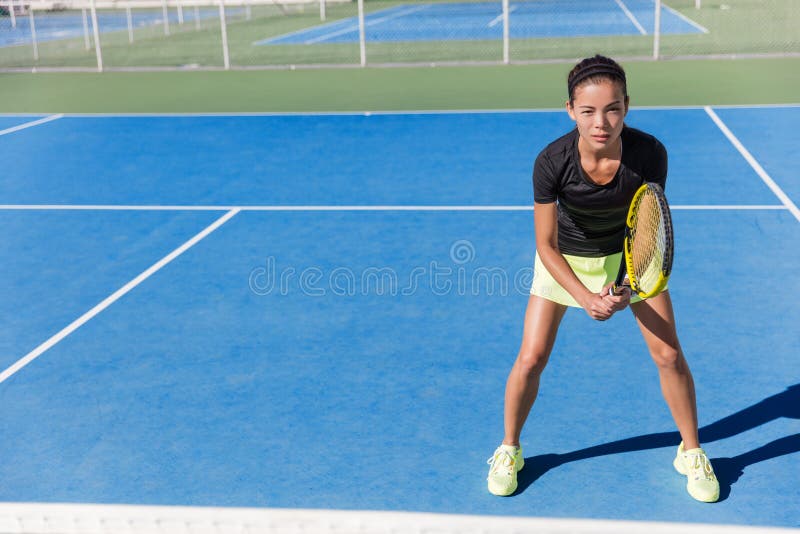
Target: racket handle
621, 279
615, 289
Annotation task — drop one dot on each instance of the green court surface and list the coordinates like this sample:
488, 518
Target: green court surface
673, 83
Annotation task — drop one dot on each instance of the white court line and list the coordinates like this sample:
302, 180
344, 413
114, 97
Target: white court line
142, 207
752, 106
30, 124
134, 519
108, 301
268, 40
366, 23
686, 19
339, 22
783, 197
729, 207
624, 8
379, 112
499, 17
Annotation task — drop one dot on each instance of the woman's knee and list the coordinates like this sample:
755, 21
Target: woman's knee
668, 357
532, 360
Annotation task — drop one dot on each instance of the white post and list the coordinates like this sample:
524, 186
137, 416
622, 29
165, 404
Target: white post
505, 32
248, 12
33, 34
196, 17
96, 37
13, 15
657, 31
130, 23
362, 41
180, 13
225, 57
697, 4
322, 14
86, 42
165, 14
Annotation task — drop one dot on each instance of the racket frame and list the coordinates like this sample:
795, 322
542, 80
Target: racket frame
626, 267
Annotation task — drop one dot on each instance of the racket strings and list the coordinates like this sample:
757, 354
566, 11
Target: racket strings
649, 242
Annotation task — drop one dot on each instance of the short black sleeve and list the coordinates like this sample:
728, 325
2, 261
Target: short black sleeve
545, 181
658, 170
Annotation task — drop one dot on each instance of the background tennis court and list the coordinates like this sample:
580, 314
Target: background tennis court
470, 21
243, 34
65, 26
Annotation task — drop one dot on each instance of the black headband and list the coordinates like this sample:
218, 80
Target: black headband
594, 70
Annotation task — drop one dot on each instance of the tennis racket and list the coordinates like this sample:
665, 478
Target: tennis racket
649, 243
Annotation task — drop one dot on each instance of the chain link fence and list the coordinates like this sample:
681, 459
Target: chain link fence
151, 34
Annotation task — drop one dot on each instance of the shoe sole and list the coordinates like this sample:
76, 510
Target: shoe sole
502, 492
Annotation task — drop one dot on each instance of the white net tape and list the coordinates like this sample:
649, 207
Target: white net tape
124, 519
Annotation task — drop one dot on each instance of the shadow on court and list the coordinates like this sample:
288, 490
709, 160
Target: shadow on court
728, 470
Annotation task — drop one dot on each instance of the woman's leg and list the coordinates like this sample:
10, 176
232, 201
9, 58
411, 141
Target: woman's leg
542, 319
541, 325
657, 323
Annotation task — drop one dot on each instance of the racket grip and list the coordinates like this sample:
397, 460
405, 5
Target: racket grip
616, 289
620, 280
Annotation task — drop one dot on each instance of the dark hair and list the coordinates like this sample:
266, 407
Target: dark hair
594, 70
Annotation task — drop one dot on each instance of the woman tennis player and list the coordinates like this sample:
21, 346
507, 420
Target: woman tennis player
583, 184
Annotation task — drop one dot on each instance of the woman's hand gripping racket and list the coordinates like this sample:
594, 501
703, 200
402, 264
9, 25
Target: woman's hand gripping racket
649, 245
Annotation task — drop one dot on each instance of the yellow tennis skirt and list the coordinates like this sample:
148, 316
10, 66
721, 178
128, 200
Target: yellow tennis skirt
594, 273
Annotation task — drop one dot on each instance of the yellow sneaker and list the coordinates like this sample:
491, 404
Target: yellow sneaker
505, 463
701, 482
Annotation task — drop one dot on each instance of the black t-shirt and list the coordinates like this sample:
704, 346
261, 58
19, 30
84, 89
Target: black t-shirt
591, 217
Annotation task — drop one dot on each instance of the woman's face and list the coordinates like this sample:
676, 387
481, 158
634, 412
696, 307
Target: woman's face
599, 110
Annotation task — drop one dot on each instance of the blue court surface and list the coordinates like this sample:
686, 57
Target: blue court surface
56, 26
320, 312
483, 20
